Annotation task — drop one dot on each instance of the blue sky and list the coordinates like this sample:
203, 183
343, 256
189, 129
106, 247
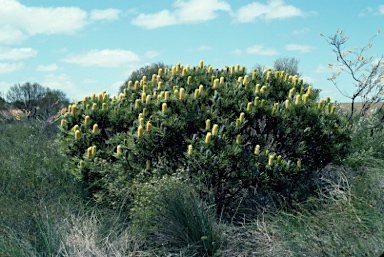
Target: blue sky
84, 47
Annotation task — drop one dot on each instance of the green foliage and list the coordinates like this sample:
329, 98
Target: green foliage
168, 212
228, 129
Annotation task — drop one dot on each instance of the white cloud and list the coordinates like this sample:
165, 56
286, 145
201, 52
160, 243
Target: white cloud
237, 52
300, 31
260, 50
309, 80
303, 49
192, 11
274, 9
380, 10
151, 54
204, 48
323, 69
106, 14
20, 21
10, 67
103, 58
47, 68
16, 53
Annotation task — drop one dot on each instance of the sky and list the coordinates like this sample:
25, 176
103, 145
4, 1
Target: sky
85, 47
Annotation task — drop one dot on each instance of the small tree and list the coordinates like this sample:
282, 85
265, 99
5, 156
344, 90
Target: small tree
289, 65
367, 73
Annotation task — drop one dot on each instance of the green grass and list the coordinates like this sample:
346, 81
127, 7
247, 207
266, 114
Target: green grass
43, 212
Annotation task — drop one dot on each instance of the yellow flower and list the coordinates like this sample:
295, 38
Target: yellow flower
257, 150
166, 96
299, 163
63, 122
137, 84
201, 64
221, 80
75, 128
232, 69
279, 159
176, 93
189, 80
196, 94
270, 159
320, 104
256, 102
245, 80
190, 147
305, 98
140, 131
148, 99
263, 103
208, 138
137, 103
164, 107
215, 129
297, 101
93, 97
182, 93
143, 97
145, 89
159, 85
262, 90
77, 134
87, 106
149, 126
287, 104
160, 71
216, 83
104, 106
119, 151
94, 107
95, 128
100, 97
208, 124
253, 74
249, 106
238, 139
333, 108
201, 89
273, 111
130, 84
89, 152
240, 79
309, 91
328, 100
82, 164
73, 109
237, 67
209, 69
242, 114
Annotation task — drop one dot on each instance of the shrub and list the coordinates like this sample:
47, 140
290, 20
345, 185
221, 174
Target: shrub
230, 130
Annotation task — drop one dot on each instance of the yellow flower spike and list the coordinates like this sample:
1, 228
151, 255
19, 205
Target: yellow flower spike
190, 148
216, 83
148, 99
333, 108
306, 98
113, 99
201, 64
154, 77
246, 79
189, 80
148, 127
299, 163
221, 80
238, 139
160, 71
159, 85
104, 106
93, 97
141, 121
256, 102
130, 84
183, 72
249, 106
63, 123
87, 106
328, 100
237, 67
87, 120
201, 90
257, 150
294, 80
94, 107
232, 69
237, 122
137, 84
75, 128
145, 88
269, 76
208, 124
85, 99
166, 96
215, 129
176, 93
164, 107
93, 150
257, 89
173, 70
297, 100
95, 128
144, 112
208, 138
140, 115
147, 165
143, 97
137, 103
140, 131
158, 78
100, 97
182, 93
287, 104
240, 79
266, 152
273, 111
270, 159
291, 91
320, 104
262, 89
254, 74
89, 152
82, 164
263, 103
279, 159
196, 94
242, 114
119, 151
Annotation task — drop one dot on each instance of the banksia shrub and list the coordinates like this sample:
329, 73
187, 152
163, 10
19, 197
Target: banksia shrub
268, 129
